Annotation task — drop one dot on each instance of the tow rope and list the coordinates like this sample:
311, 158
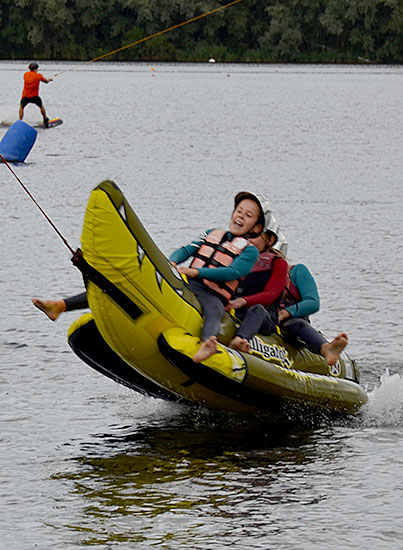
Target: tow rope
37, 204
141, 40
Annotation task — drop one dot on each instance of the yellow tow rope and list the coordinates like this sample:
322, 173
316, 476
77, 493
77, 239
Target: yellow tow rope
215, 10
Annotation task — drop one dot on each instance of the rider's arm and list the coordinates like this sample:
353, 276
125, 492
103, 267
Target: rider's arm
241, 266
274, 286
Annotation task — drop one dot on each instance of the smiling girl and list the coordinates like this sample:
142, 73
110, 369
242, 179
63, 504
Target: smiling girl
220, 258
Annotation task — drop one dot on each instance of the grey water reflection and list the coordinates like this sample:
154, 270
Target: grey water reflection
167, 485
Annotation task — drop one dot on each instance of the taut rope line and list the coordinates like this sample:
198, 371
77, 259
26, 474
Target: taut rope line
37, 204
215, 10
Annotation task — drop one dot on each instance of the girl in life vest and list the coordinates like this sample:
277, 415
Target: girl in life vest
260, 292
220, 259
301, 299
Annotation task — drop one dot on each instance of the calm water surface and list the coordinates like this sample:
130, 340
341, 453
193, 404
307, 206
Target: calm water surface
87, 463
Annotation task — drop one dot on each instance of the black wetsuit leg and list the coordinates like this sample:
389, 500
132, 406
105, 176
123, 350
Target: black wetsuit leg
79, 301
302, 331
213, 308
256, 319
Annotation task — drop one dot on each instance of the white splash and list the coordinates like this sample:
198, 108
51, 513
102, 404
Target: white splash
385, 403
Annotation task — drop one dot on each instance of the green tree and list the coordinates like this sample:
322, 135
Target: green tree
257, 30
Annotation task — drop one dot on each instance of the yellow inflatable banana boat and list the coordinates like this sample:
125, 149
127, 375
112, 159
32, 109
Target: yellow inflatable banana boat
145, 325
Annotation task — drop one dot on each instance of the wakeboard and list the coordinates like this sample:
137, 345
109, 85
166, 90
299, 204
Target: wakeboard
53, 122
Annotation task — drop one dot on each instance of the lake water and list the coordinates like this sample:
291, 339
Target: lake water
87, 463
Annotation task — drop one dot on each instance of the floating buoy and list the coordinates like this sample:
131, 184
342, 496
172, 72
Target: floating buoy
18, 141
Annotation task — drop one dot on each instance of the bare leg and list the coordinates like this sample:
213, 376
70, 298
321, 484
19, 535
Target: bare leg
52, 308
45, 118
21, 112
240, 344
207, 349
331, 350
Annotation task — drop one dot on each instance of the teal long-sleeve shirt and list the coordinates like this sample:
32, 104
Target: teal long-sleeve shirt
302, 278
240, 267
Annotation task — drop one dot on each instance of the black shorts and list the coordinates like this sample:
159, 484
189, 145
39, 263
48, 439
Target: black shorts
36, 99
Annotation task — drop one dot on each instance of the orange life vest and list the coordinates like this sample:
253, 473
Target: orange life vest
217, 251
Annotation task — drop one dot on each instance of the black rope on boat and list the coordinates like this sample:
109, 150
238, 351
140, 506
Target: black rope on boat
106, 285
37, 204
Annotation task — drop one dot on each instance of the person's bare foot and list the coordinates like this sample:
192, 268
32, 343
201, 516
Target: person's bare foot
206, 350
331, 350
240, 344
51, 308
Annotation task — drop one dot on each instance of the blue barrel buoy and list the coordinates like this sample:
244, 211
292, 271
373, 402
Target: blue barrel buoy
18, 141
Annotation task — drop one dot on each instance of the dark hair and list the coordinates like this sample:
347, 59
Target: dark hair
33, 66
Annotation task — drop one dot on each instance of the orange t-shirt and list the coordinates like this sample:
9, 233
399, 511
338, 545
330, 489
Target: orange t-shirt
31, 84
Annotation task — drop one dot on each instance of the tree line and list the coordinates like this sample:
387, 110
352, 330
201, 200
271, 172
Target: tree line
334, 31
